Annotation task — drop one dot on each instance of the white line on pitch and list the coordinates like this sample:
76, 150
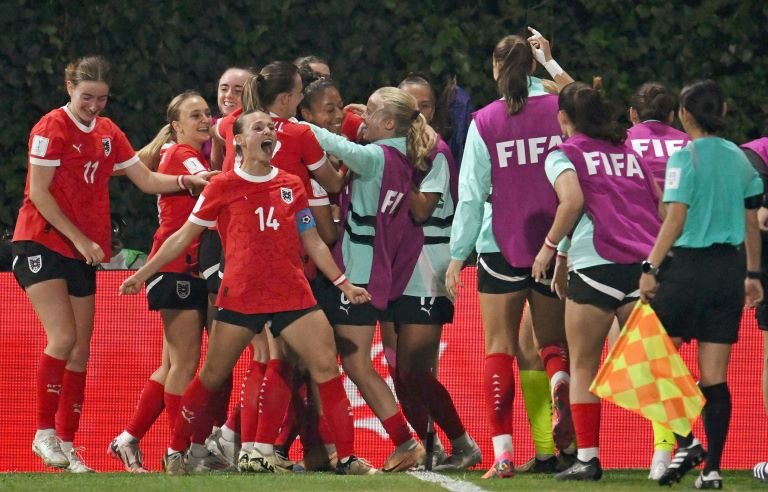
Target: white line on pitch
445, 482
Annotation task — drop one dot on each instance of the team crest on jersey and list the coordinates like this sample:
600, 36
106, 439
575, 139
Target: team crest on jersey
183, 288
35, 263
287, 195
107, 143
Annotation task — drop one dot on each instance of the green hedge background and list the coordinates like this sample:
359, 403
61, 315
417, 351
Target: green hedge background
159, 49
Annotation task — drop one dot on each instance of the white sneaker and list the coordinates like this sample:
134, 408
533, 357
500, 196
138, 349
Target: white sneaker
76, 464
175, 464
659, 464
209, 463
129, 454
462, 458
259, 463
224, 449
48, 447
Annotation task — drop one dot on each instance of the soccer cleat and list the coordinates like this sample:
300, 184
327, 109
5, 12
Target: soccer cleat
48, 447
76, 464
502, 467
175, 464
462, 458
209, 463
565, 460
355, 466
684, 461
535, 465
405, 456
659, 464
438, 458
243, 461
282, 460
260, 463
562, 429
129, 454
582, 470
711, 480
760, 471
224, 449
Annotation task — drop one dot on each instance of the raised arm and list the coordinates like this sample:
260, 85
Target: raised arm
155, 183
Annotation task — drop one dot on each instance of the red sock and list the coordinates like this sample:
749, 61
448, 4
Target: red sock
499, 388
233, 421
194, 415
148, 408
324, 430
437, 400
50, 372
249, 411
294, 417
338, 416
555, 359
276, 390
397, 428
586, 421
70, 405
172, 405
414, 411
221, 403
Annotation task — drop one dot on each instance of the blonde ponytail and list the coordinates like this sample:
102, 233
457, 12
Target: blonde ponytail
409, 123
150, 153
418, 143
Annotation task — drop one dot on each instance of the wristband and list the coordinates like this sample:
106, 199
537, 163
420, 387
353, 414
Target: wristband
754, 275
550, 244
560, 254
180, 181
553, 68
340, 280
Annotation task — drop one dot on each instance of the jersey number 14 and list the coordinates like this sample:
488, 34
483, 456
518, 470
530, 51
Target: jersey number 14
270, 220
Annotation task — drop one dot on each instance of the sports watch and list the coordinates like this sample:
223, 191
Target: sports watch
648, 267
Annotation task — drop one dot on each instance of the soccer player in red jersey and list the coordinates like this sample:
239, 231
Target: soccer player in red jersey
257, 207
177, 291
62, 234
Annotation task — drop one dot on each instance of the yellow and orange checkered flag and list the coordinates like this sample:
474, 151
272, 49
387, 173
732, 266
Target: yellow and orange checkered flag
645, 374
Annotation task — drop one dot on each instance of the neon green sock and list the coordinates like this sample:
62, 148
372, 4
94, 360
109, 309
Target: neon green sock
663, 438
538, 406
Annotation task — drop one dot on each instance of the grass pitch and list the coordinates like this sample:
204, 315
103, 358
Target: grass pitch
621, 480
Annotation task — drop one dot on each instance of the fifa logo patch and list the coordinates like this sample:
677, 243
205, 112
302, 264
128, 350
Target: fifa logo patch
183, 288
107, 143
35, 263
287, 195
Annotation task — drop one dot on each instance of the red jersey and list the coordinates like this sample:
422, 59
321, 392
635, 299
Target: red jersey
299, 153
257, 218
84, 158
225, 129
174, 208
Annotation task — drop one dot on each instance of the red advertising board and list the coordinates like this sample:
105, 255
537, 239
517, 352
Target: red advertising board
126, 349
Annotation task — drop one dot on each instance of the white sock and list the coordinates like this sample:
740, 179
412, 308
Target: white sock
501, 444
171, 451
227, 433
125, 438
66, 446
198, 450
247, 446
265, 449
41, 433
557, 378
586, 454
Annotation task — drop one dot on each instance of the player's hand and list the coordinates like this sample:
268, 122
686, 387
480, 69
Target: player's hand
452, 280
648, 287
560, 277
91, 252
541, 263
356, 108
355, 294
540, 46
196, 182
753, 292
131, 285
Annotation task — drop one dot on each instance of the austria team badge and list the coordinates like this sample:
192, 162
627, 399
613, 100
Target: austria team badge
107, 143
183, 288
287, 195
35, 263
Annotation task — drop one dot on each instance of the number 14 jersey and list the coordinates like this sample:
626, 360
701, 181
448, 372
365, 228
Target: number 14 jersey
257, 218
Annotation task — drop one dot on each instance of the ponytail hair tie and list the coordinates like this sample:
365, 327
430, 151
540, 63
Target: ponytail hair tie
259, 78
415, 115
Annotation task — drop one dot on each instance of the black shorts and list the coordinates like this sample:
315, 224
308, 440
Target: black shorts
605, 286
325, 293
276, 322
701, 293
496, 276
761, 313
211, 259
414, 310
34, 263
342, 312
176, 291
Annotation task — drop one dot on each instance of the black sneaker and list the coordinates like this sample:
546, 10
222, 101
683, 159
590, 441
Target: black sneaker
536, 465
565, 460
582, 470
685, 460
711, 480
355, 466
